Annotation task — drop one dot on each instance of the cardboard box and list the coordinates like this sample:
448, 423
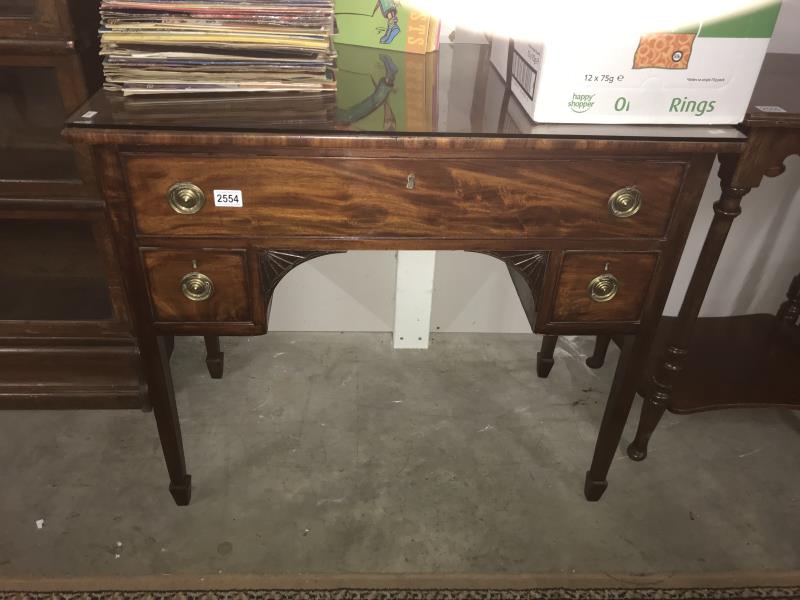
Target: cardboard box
702, 74
385, 24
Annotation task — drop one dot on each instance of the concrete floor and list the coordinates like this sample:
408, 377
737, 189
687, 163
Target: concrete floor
332, 453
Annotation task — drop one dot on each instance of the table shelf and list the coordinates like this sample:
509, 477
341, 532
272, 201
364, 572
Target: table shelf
738, 361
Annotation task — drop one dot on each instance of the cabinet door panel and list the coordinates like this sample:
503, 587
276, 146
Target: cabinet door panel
25, 19
32, 113
52, 270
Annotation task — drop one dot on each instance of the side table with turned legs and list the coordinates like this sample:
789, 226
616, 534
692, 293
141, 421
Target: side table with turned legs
714, 363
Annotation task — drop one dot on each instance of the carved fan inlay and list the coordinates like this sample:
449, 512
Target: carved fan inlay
275, 264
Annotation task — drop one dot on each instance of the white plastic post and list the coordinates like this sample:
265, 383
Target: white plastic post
413, 297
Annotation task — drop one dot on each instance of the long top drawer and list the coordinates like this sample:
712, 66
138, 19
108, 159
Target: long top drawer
403, 198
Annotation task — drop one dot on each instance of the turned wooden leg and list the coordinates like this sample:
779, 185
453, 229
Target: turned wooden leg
215, 358
598, 359
669, 368
544, 358
648, 421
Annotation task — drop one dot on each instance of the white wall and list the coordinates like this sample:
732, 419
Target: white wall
762, 253
339, 292
786, 37
473, 293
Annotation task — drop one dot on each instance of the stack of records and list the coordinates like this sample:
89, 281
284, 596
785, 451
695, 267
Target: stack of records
211, 46
263, 111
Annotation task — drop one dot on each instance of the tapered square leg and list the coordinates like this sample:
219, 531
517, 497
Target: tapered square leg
169, 345
162, 397
598, 358
154, 350
616, 414
181, 490
544, 358
215, 358
593, 489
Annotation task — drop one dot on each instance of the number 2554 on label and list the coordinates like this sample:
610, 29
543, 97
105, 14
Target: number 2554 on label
228, 198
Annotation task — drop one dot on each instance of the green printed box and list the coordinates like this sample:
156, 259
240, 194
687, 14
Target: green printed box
702, 73
385, 24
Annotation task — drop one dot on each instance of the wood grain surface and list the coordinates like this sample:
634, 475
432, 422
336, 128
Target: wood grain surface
68, 374
346, 197
733, 362
40, 19
230, 301
634, 270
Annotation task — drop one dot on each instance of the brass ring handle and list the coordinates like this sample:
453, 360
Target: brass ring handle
603, 288
625, 202
197, 287
186, 198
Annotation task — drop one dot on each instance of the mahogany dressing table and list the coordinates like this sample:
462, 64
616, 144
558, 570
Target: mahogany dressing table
590, 220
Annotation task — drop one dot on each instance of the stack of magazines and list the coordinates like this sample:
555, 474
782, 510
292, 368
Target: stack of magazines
210, 46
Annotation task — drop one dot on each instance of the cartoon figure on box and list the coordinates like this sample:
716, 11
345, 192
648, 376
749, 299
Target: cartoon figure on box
388, 9
389, 12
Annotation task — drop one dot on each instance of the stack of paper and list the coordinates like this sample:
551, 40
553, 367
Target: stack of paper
190, 46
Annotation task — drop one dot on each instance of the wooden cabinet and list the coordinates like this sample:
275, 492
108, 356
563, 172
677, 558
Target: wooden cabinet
52, 271
49, 64
62, 289
37, 21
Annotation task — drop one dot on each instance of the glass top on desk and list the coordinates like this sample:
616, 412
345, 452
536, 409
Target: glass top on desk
776, 99
453, 92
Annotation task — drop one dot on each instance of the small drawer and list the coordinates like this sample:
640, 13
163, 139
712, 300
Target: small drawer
490, 198
600, 287
198, 286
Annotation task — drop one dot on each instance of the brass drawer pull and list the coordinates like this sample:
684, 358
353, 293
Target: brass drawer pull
625, 202
603, 287
197, 287
411, 182
186, 198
